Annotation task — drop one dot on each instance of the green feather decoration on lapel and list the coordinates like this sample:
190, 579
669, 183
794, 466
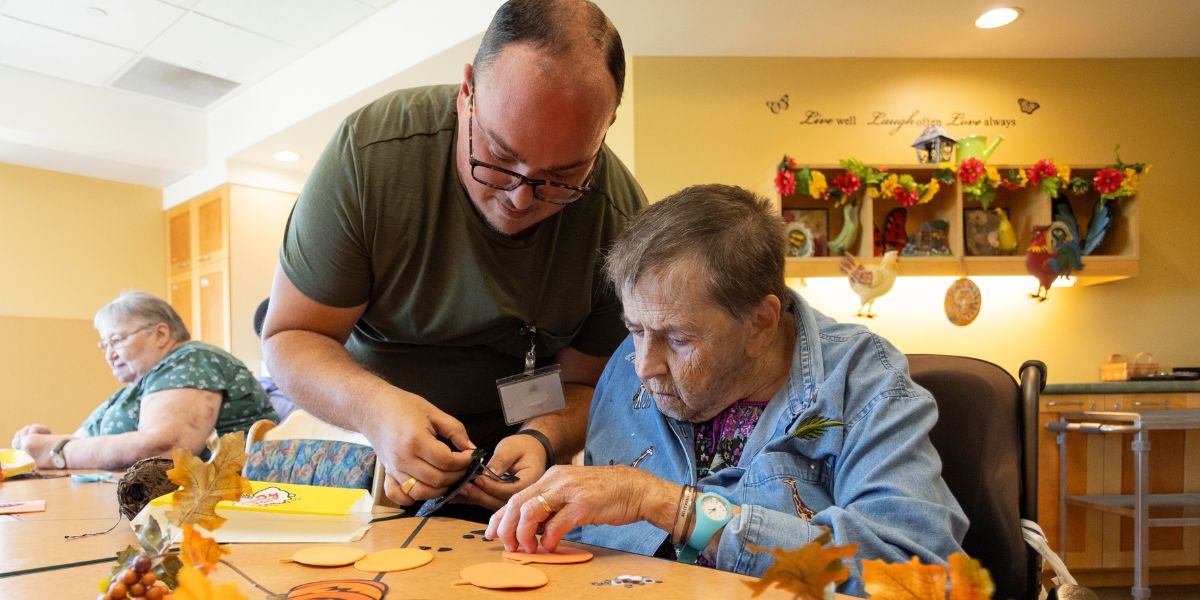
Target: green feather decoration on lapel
814, 427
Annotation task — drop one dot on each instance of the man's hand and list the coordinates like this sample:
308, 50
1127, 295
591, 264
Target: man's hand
404, 438
567, 497
26, 431
523, 456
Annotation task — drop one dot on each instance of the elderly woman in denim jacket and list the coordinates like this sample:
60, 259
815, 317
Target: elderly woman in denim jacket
690, 447
177, 392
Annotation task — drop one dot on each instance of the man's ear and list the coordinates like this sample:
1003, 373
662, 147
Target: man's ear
467, 83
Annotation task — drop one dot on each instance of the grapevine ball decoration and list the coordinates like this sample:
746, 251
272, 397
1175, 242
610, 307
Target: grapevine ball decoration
145, 480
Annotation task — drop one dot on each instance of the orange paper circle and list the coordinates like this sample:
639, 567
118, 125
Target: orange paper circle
498, 576
563, 556
396, 559
328, 556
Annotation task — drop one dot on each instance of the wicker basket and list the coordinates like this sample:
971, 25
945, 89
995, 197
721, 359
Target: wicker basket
1116, 368
1143, 364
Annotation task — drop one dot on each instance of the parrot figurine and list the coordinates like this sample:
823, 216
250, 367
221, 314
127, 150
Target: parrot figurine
1007, 235
870, 281
1053, 253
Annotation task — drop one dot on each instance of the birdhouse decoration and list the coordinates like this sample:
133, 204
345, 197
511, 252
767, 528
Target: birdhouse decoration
934, 146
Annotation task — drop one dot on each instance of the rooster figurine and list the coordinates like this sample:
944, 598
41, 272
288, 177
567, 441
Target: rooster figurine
1051, 258
870, 281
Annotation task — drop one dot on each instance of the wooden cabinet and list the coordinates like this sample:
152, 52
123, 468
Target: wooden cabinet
222, 248
198, 265
1100, 544
1116, 258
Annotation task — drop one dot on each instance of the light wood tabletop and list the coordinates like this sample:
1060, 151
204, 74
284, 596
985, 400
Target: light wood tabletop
30, 544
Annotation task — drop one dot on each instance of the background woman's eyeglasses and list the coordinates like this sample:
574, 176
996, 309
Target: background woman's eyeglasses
117, 341
503, 179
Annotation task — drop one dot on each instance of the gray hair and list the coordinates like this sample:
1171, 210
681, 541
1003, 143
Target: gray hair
140, 306
734, 237
556, 26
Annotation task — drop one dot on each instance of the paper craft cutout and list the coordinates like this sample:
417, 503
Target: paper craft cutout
499, 576
339, 589
395, 559
14, 462
565, 555
27, 506
328, 556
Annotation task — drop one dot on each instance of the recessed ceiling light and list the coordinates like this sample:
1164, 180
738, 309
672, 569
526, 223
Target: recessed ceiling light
286, 156
97, 12
997, 17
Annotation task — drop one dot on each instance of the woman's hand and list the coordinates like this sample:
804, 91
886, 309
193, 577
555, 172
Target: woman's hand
568, 496
22, 433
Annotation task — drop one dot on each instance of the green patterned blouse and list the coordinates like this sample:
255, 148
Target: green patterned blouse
193, 365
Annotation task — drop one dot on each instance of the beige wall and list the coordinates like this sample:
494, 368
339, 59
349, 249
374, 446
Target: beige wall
706, 120
69, 245
257, 219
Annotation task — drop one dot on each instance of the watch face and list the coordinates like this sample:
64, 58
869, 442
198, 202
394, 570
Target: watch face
714, 509
59, 461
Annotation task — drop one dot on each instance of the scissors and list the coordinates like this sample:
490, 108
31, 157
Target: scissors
477, 468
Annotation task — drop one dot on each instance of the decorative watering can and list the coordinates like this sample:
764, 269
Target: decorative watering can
973, 146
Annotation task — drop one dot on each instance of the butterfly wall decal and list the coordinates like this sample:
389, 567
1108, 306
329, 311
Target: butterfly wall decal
778, 106
1028, 106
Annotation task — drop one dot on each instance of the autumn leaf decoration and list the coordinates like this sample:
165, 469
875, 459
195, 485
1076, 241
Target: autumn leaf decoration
805, 572
202, 485
915, 581
814, 427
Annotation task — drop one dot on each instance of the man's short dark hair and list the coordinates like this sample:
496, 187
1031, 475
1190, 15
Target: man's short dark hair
555, 26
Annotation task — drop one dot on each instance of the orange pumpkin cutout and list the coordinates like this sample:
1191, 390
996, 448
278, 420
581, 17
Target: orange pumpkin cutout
339, 589
395, 559
328, 556
564, 555
499, 576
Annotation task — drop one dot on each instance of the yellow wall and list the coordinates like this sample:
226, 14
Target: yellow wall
68, 245
257, 219
707, 120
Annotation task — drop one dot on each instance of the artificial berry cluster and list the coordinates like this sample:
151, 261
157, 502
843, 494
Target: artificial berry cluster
135, 582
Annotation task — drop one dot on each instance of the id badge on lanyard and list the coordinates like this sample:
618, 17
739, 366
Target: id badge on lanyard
533, 393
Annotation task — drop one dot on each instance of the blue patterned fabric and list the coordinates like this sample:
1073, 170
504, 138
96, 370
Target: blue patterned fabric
312, 462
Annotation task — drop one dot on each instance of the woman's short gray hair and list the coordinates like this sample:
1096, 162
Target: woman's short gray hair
140, 306
734, 237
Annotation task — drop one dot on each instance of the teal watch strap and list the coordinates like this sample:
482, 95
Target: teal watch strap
706, 526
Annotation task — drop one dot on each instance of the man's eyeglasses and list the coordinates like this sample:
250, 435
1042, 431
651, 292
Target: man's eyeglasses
503, 179
117, 341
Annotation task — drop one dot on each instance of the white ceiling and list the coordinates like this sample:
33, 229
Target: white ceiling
300, 65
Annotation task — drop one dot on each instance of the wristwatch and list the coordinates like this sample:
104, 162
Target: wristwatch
56, 455
712, 513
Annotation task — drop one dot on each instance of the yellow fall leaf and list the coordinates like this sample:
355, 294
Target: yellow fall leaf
200, 552
807, 570
904, 581
203, 485
193, 585
968, 579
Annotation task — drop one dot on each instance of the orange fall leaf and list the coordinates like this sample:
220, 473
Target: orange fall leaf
193, 585
904, 581
200, 552
203, 485
806, 571
968, 579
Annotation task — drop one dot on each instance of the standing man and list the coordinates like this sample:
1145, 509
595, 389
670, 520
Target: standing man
444, 233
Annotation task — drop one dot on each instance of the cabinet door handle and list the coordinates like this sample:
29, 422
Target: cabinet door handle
1056, 403
203, 282
205, 258
1140, 403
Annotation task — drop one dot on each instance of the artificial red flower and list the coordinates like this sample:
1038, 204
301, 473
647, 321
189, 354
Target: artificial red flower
1108, 180
905, 196
785, 182
847, 182
971, 170
791, 163
1042, 169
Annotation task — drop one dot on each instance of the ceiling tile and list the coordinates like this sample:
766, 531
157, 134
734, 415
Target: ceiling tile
202, 44
62, 55
130, 24
301, 23
377, 3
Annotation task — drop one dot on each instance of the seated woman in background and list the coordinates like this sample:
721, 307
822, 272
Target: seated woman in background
177, 391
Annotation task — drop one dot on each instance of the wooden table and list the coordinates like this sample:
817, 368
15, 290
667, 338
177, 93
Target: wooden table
35, 541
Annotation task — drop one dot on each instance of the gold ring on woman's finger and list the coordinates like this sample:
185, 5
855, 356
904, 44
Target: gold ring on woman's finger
546, 505
407, 486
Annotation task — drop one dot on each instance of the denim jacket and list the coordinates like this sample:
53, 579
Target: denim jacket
876, 481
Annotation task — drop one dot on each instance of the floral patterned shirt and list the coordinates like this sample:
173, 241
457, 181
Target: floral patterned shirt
193, 365
719, 441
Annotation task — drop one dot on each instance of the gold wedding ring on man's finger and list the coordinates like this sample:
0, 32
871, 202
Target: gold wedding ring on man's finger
545, 505
407, 486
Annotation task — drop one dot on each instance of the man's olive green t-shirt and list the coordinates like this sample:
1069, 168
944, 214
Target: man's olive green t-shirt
384, 220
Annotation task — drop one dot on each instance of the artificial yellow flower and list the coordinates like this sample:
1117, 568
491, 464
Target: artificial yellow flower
930, 191
816, 184
947, 165
1064, 175
1132, 182
1146, 169
1022, 177
993, 176
889, 184
872, 192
